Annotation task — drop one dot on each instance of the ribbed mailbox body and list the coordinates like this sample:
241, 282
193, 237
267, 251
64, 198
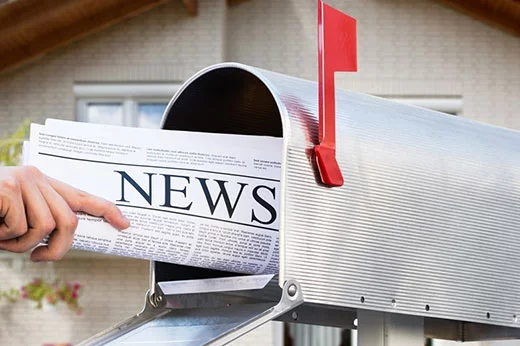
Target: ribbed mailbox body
427, 222
429, 214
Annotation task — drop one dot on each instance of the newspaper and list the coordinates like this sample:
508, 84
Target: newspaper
198, 199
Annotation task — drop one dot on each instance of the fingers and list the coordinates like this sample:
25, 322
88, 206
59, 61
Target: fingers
85, 202
61, 239
39, 220
12, 212
33, 206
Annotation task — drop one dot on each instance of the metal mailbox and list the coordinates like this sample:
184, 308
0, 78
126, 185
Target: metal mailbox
426, 225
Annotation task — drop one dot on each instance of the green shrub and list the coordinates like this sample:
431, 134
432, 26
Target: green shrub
11, 147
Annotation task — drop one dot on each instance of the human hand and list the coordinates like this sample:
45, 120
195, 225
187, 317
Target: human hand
32, 206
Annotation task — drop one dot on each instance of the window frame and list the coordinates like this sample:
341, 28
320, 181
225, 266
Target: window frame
447, 104
128, 95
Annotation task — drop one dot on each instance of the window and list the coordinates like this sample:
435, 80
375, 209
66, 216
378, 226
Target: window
446, 104
136, 105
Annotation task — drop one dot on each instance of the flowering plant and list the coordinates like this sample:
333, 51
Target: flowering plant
39, 290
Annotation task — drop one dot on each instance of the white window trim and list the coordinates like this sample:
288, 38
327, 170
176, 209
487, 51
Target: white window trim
135, 90
129, 95
452, 105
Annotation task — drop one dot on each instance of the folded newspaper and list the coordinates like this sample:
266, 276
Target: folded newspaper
198, 199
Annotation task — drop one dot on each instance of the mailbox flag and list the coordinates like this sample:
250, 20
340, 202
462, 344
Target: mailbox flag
337, 51
339, 40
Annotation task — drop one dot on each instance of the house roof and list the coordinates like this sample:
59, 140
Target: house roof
502, 14
31, 28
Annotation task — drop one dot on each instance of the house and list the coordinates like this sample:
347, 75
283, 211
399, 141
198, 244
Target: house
119, 62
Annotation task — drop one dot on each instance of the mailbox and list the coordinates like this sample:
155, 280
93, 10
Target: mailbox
426, 225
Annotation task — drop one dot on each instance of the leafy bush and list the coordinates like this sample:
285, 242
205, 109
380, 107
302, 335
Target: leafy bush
11, 147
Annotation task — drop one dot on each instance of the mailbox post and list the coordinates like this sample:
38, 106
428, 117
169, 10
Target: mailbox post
386, 329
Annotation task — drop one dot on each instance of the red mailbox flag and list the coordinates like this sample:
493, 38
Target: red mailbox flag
337, 51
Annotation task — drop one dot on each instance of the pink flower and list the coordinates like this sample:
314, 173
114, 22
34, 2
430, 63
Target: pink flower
24, 289
76, 286
74, 295
24, 295
52, 300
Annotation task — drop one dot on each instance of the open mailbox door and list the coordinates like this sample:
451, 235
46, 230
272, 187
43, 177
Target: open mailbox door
426, 224
204, 311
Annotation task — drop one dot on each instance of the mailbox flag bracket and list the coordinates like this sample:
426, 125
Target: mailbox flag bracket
337, 51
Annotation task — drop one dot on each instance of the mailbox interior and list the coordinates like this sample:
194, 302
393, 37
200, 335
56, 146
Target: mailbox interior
225, 100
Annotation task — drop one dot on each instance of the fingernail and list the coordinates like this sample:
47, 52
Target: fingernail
125, 219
